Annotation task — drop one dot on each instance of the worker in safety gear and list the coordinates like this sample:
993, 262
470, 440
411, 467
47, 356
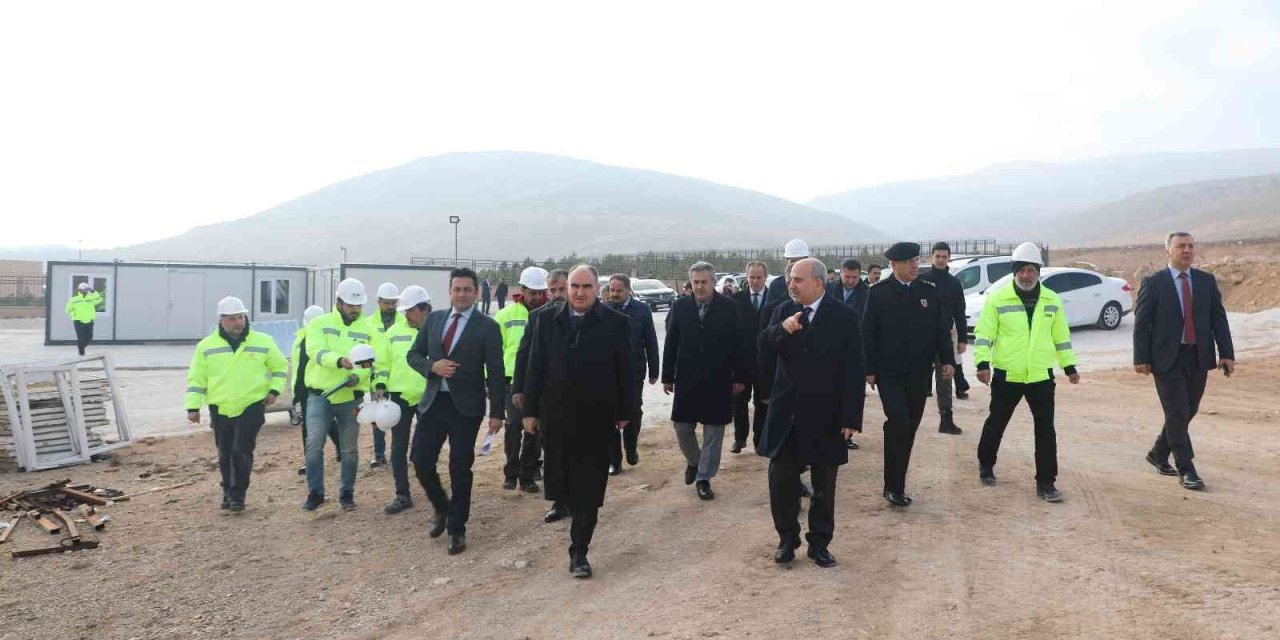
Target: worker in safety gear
298, 382
238, 373
380, 324
83, 307
404, 385
522, 449
1021, 334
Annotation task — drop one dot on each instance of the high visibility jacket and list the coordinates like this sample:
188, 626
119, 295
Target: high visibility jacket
512, 321
83, 306
393, 364
233, 379
375, 323
1026, 353
329, 339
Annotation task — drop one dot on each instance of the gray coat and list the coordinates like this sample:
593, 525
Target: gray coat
477, 347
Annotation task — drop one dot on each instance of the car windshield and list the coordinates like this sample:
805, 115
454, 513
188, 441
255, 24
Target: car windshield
647, 285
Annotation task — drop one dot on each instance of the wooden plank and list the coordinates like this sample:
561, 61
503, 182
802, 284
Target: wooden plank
48, 525
13, 524
79, 544
152, 490
84, 497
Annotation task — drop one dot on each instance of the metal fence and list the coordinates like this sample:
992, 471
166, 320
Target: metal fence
672, 266
21, 290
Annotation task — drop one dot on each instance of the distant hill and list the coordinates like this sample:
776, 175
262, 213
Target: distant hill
1233, 209
512, 205
1027, 200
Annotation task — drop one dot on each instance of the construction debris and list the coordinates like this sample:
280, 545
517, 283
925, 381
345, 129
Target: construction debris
54, 508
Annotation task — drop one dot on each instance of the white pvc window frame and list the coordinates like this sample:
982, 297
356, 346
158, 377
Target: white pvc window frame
74, 279
276, 296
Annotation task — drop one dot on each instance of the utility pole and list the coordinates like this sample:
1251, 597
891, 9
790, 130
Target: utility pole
344, 253
455, 220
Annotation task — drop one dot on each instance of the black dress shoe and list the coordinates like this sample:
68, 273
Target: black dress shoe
1163, 468
962, 395
236, 506
897, 499
1191, 480
851, 445
509, 484
633, 457
947, 425
786, 551
737, 447
437, 524
1048, 493
987, 475
615, 469
529, 486
690, 474
457, 543
578, 566
821, 557
704, 490
555, 514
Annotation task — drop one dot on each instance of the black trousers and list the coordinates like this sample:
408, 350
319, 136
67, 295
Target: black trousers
962, 385
629, 437
1005, 396
903, 399
236, 439
443, 422
582, 526
1180, 389
333, 426
784, 497
484, 305
741, 425
84, 335
522, 449
400, 444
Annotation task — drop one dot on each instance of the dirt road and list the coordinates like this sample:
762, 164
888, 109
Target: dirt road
1128, 555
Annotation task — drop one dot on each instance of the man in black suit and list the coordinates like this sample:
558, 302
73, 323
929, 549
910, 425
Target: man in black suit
459, 352
850, 290
644, 349
905, 331
751, 318
794, 251
557, 293
815, 405
578, 386
703, 363
951, 296
1178, 321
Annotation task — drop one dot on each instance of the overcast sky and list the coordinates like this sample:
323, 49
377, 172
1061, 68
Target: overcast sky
125, 123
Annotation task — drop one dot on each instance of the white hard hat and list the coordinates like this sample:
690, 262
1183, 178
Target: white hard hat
311, 313
386, 413
1028, 252
351, 291
231, 306
367, 411
388, 291
83, 286
361, 353
796, 249
412, 296
534, 278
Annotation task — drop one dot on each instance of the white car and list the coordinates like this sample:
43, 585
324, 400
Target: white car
1089, 298
977, 274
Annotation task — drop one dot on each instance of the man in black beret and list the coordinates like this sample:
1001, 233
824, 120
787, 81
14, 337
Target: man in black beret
904, 331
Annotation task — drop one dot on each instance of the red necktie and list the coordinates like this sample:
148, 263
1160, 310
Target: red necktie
448, 335
1188, 318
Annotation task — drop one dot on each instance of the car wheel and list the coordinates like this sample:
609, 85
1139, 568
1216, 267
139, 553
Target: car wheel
1110, 317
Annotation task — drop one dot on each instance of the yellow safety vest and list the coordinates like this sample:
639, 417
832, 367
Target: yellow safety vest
233, 379
1025, 353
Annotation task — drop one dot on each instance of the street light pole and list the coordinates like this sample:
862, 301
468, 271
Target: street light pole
454, 220
344, 253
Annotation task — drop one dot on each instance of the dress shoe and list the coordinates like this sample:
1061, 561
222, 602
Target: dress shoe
786, 550
987, 475
236, 506
737, 447
1163, 468
897, 499
821, 557
529, 486
398, 504
314, 500
1048, 493
457, 543
690, 474
704, 490
578, 565
555, 514
948, 426
962, 395
633, 456
437, 524
347, 501
851, 445
509, 484
1191, 480
804, 490
615, 469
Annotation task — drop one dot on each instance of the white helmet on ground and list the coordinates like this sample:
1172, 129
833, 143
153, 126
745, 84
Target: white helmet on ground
412, 296
231, 306
534, 278
796, 249
361, 353
351, 291
388, 291
311, 313
1028, 252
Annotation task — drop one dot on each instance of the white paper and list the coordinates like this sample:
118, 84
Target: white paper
487, 444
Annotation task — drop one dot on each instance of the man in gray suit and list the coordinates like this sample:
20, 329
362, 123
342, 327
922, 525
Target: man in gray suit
453, 351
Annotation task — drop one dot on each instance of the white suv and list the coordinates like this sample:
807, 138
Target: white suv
977, 274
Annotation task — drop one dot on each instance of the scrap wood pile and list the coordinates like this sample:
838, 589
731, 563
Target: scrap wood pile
58, 509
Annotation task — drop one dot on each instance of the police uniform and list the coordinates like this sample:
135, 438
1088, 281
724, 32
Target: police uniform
905, 330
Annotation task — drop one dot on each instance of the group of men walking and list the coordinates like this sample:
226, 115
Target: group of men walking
564, 369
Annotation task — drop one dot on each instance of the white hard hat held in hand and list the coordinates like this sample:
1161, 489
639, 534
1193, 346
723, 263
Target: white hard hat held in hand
796, 249
412, 296
351, 291
388, 291
312, 312
534, 278
231, 306
386, 413
361, 354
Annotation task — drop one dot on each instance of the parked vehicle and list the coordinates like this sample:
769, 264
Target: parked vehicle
653, 293
977, 274
1088, 297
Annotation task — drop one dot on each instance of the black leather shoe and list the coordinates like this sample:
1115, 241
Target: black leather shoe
821, 557
851, 445
236, 506
633, 457
555, 514
804, 490
704, 490
948, 426
578, 566
962, 395
1163, 468
398, 504
1048, 493
437, 524
1191, 480
529, 486
987, 475
786, 551
897, 499
690, 474
615, 469
457, 543
509, 484
737, 447
314, 500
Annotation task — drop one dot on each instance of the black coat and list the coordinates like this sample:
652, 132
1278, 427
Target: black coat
819, 387
951, 296
522, 352
859, 300
751, 322
766, 366
644, 339
578, 386
703, 358
1157, 321
905, 329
